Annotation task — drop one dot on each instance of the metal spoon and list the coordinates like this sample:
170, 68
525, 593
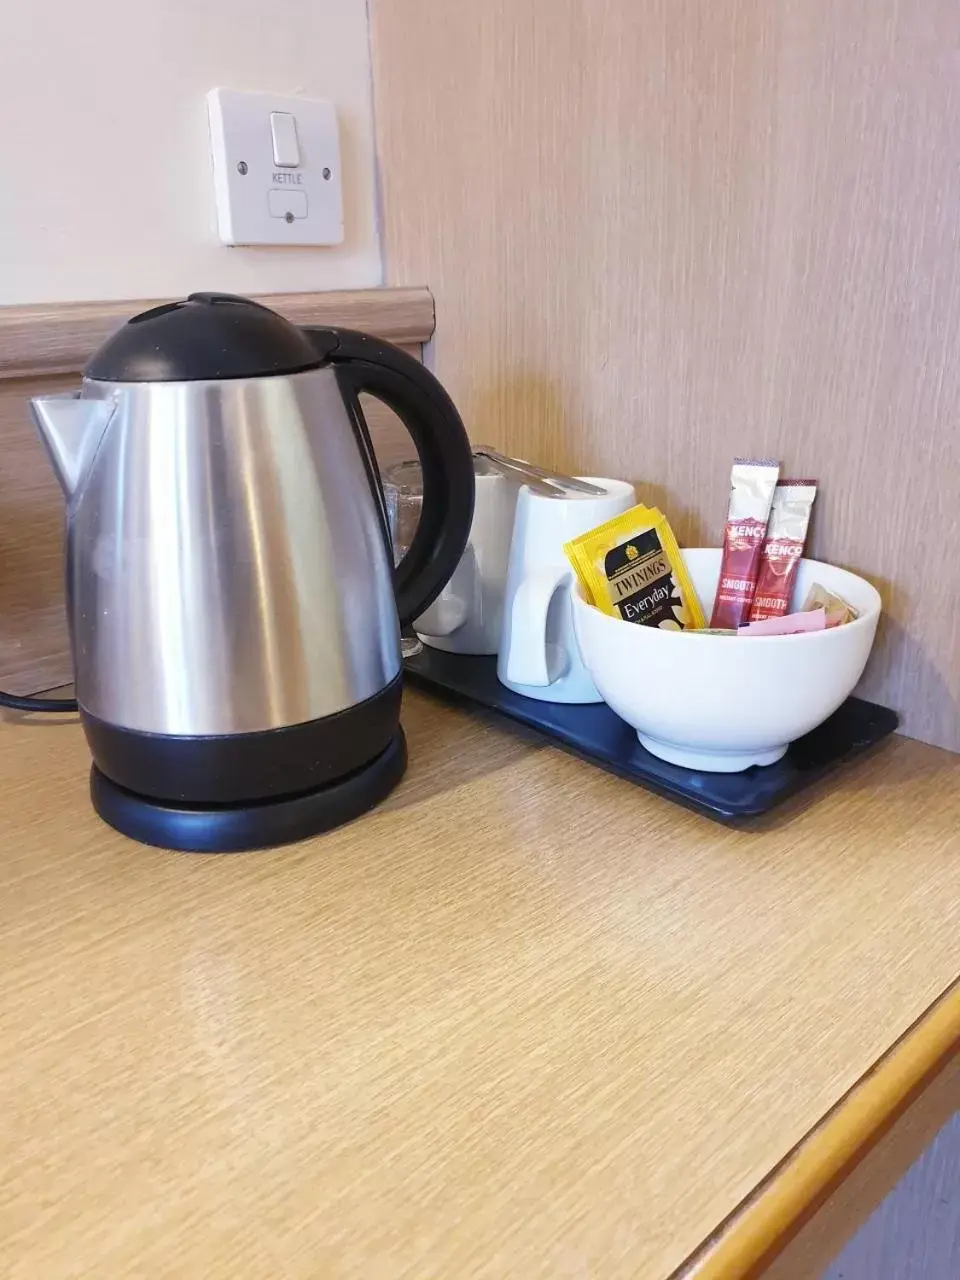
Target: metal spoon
539, 477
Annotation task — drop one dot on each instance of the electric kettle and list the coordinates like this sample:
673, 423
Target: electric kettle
233, 609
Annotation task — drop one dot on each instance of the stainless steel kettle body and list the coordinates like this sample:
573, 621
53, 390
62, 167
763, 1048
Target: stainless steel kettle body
231, 595
227, 569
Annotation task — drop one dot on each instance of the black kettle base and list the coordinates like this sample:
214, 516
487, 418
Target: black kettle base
238, 828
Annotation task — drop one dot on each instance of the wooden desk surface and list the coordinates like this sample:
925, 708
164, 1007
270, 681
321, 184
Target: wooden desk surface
524, 1020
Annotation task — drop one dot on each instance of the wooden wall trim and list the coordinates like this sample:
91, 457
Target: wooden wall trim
37, 341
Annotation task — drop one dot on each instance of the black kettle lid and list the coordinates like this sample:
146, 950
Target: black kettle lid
205, 336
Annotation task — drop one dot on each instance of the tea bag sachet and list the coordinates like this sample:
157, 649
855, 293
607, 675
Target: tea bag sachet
631, 568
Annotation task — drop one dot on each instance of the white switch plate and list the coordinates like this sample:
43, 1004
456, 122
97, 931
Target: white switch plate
257, 201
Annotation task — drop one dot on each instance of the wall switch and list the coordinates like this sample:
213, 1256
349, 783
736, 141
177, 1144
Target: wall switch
276, 169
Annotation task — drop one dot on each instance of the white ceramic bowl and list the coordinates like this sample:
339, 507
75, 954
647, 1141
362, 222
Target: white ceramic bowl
724, 703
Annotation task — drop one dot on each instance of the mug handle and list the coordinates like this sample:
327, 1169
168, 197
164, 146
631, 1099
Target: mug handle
527, 650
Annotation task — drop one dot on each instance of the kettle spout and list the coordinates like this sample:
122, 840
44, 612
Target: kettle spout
71, 428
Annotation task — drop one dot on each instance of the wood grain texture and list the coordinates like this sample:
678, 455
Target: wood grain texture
897, 1200
664, 232
60, 337
797, 1190
34, 648
523, 1019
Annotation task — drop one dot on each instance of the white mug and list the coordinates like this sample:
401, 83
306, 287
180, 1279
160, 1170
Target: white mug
466, 617
539, 656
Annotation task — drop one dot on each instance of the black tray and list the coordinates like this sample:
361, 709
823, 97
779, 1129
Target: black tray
596, 734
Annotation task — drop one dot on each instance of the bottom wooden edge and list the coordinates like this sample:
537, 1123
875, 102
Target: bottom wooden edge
765, 1224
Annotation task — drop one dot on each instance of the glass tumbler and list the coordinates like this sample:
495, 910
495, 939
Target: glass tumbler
403, 494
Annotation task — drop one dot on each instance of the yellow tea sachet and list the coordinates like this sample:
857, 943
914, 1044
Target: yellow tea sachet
631, 568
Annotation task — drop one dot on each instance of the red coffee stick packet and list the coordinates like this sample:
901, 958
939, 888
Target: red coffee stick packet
786, 534
752, 482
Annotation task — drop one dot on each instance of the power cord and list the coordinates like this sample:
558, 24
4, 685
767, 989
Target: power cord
14, 703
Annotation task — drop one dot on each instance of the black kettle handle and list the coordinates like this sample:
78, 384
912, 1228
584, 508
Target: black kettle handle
365, 364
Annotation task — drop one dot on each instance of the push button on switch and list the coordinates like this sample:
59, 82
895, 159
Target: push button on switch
286, 146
